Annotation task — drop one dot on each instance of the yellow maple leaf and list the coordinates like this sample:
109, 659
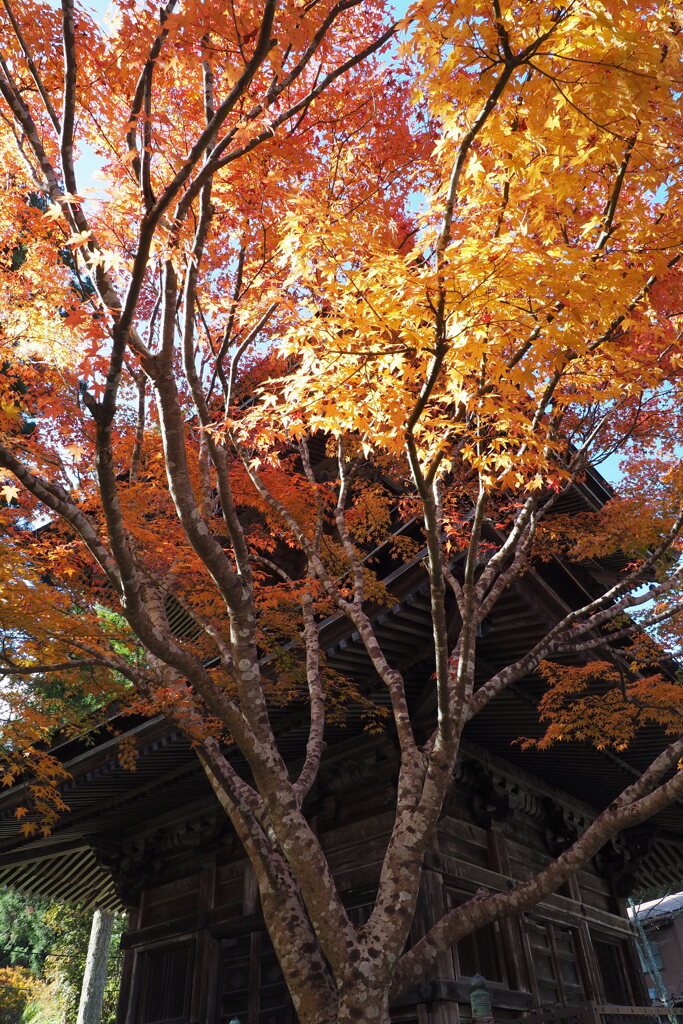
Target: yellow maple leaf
10, 492
79, 240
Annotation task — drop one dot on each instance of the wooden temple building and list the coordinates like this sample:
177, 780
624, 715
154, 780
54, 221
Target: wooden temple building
156, 842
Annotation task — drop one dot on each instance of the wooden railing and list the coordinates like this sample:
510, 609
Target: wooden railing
603, 1013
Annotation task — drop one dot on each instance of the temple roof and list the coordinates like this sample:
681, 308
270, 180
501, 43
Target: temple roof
110, 807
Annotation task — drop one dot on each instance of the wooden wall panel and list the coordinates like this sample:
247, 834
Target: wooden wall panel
174, 899
217, 909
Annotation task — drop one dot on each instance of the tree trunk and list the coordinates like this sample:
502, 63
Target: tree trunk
363, 1004
95, 977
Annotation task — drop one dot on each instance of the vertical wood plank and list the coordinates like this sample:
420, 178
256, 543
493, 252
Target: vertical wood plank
588, 965
127, 968
445, 1013
631, 963
516, 963
207, 882
250, 895
255, 947
250, 905
133, 994
635, 973
430, 908
213, 962
529, 960
204, 979
432, 905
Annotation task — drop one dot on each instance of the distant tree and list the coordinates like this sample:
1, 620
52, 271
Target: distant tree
26, 933
43, 954
66, 961
18, 988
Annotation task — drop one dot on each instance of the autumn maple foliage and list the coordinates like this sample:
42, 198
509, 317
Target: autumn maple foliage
338, 274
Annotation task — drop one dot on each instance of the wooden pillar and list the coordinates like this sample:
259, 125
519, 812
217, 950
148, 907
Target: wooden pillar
431, 906
250, 905
255, 952
588, 965
96, 963
250, 893
129, 996
127, 968
511, 928
634, 973
203, 975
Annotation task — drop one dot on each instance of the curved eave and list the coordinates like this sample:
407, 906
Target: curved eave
70, 874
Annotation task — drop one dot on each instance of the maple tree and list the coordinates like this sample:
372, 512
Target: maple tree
342, 274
